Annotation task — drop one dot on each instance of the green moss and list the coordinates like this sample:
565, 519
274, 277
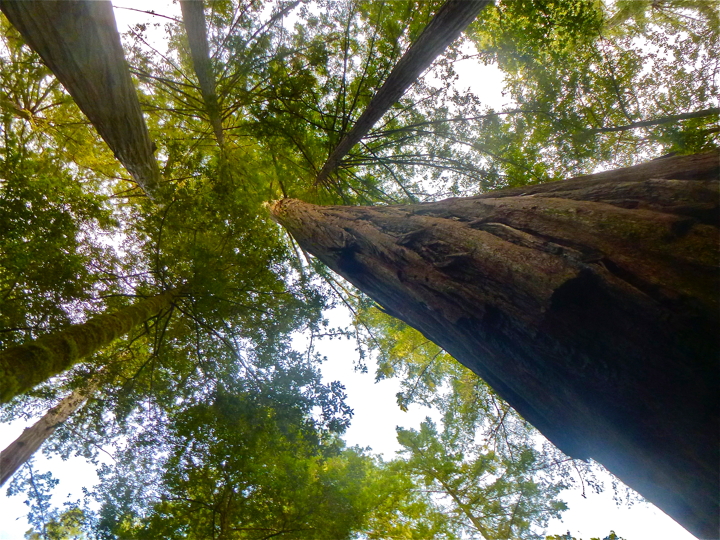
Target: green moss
24, 366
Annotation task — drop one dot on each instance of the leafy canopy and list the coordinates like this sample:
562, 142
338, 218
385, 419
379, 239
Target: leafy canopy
237, 435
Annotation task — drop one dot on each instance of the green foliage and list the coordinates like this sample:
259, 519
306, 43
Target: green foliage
573, 79
404, 352
611, 536
215, 421
47, 247
66, 526
637, 15
242, 465
487, 495
53, 224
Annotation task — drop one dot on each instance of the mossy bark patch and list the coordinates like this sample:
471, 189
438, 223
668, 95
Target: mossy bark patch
24, 366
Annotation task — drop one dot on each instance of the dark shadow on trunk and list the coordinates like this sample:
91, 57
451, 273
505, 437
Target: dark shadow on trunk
591, 305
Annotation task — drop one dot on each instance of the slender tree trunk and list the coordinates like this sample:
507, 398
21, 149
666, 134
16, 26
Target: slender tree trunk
194, 21
79, 42
22, 449
462, 506
444, 28
14, 109
24, 366
658, 121
591, 305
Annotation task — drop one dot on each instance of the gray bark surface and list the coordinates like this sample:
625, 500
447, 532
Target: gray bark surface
591, 305
78, 40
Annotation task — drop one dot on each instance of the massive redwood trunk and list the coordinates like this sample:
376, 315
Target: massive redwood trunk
444, 28
591, 305
24, 366
79, 42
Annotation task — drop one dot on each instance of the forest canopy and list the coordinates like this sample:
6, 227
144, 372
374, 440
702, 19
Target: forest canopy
217, 423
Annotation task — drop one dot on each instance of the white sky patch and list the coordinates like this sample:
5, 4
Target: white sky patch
485, 81
376, 412
131, 12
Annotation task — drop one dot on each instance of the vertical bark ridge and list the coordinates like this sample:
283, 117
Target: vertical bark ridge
79, 42
194, 21
591, 305
444, 28
24, 366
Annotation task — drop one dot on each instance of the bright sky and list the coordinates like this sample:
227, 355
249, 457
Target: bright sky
377, 415
376, 410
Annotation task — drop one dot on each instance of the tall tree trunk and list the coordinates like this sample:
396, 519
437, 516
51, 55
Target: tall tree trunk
194, 21
444, 28
79, 42
24, 366
591, 305
713, 111
31, 439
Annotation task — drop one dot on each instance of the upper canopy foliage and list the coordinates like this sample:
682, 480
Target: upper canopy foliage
213, 396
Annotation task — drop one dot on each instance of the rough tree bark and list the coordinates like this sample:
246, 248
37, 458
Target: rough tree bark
444, 28
194, 20
31, 439
79, 42
591, 305
24, 366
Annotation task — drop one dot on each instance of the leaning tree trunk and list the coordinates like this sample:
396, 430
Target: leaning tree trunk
31, 439
673, 118
79, 42
24, 366
444, 28
590, 305
194, 21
